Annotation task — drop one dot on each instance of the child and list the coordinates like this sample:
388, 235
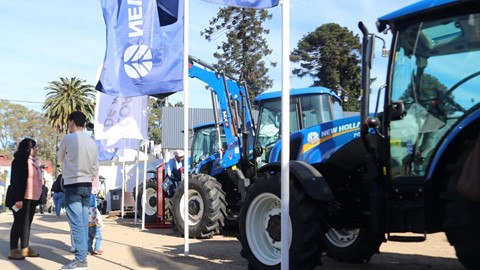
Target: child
95, 225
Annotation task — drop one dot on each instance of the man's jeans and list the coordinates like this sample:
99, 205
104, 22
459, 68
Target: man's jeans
77, 200
58, 200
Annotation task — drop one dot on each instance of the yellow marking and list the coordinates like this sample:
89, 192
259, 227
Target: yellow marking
396, 143
308, 146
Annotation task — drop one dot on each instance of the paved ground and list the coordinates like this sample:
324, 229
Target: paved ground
127, 247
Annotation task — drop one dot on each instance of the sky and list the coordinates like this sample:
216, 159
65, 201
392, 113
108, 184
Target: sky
42, 41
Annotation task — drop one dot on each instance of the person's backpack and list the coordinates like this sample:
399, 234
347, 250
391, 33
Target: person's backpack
169, 187
57, 186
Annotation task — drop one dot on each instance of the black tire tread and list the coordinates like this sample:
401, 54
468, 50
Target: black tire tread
215, 206
305, 249
360, 251
462, 216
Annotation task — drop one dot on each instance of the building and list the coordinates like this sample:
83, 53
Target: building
172, 126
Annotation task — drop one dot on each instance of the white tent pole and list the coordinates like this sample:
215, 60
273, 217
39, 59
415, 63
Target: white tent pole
186, 8
123, 189
144, 195
285, 189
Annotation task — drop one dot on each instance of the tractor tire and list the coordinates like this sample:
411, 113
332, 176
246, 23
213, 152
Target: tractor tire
150, 203
260, 225
462, 221
350, 245
168, 210
206, 206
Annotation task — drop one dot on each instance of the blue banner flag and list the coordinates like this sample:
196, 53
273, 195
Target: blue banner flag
246, 3
144, 54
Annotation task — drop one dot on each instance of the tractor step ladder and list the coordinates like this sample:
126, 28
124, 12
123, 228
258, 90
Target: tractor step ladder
407, 210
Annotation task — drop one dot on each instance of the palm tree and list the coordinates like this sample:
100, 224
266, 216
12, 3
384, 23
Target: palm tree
66, 96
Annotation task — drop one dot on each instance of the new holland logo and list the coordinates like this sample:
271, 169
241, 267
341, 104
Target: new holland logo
312, 138
137, 61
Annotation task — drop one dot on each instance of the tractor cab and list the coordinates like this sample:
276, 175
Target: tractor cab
208, 146
308, 107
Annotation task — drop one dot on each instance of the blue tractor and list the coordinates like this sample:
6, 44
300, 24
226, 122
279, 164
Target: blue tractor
227, 155
402, 174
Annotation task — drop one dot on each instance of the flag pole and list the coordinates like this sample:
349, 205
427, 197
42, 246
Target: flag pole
136, 184
144, 187
186, 9
124, 178
285, 175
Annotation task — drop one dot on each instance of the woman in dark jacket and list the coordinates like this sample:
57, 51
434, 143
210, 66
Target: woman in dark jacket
26, 188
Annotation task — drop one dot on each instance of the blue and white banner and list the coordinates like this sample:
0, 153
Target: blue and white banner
246, 3
144, 54
110, 150
105, 153
120, 117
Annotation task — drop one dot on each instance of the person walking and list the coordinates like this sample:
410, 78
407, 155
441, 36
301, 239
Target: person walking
26, 189
58, 195
79, 156
43, 197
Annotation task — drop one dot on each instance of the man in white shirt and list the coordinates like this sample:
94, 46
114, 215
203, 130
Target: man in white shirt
79, 155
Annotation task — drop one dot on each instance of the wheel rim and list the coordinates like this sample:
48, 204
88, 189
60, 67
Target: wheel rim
342, 237
151, 202
262, 225
196, 207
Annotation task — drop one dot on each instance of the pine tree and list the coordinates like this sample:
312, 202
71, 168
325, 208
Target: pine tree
242, 54
330, 55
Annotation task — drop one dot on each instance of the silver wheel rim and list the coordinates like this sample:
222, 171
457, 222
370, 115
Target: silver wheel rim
150, 210
342, 237
266, 249
194, 217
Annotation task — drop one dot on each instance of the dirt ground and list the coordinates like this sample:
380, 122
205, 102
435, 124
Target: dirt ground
126, 246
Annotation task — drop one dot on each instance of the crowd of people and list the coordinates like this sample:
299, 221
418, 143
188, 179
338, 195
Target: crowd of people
73, 192
31, 188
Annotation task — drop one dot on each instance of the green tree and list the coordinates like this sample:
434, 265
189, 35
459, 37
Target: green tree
428, 89
156, 106
330, 55
36, 128
179, 104
242, 54
154, 119
431, 94
12, 117
18, 122
66, 96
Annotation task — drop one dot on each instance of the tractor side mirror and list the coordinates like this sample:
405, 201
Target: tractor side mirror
398, 110
258, 150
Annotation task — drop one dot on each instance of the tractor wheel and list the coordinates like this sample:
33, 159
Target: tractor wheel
260, 225
350, 245
150, 203
206, 206
462, 217
168, 210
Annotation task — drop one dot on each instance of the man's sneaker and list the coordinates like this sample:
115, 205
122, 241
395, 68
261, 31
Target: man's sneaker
76, 265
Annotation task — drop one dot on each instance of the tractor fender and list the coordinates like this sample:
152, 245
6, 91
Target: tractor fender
311, 179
